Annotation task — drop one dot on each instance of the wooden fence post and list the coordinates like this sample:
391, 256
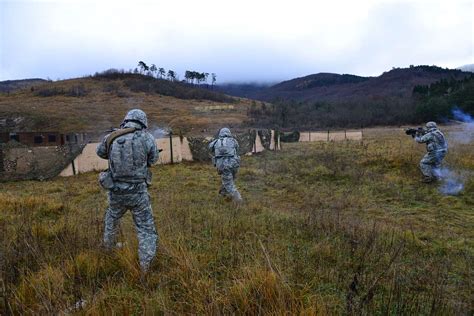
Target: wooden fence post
171, 146
73, 167
255, 142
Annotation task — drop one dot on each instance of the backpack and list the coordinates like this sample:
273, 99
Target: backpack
128, 157
224, 147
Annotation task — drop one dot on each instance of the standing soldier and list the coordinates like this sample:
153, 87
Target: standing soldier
436, 147
130, 151
225, 150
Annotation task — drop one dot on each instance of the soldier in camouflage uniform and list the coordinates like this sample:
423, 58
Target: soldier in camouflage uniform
437, 147
130, 151
225, 150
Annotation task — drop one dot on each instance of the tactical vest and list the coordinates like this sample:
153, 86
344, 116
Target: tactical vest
128, 158
225, 147
440, 141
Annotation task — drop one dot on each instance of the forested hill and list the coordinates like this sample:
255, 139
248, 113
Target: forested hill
424, 102
397, 83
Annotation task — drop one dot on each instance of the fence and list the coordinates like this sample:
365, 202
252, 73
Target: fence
25, 162
330, 136
174, 149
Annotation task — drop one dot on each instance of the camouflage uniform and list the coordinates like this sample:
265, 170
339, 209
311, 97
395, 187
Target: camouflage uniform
129, 158
436, 147
226, 159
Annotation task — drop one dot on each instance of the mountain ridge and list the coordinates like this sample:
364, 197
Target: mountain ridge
332, 87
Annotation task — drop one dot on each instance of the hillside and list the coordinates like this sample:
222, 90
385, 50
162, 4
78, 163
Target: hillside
97, 103
14, 85
397, 83
342, 228
401, 96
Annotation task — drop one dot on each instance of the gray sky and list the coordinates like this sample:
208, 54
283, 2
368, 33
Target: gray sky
244, 40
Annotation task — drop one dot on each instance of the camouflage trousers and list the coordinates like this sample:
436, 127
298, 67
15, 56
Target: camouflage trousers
228, 186
430, 164
227, 167
139, 204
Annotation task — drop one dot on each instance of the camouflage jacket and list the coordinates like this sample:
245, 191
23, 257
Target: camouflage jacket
130, 156
225, 145
434, 140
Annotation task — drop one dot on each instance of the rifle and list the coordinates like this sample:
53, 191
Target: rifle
415, 131
111, 130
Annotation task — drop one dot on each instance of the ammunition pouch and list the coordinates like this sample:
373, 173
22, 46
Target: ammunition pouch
149, 176
105, 180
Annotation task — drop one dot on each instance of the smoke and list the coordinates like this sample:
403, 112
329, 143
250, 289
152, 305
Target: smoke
452, 182
159, 132
466, 133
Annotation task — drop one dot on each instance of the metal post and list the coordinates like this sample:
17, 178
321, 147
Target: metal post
345, 134
171, 146
309, 136
73, 167
328, 135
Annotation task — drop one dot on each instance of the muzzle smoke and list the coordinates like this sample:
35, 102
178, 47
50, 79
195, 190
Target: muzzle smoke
159, 132
466, 134
453, 181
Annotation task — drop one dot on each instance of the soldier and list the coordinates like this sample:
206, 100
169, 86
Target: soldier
130, 151
436, 147
225, 150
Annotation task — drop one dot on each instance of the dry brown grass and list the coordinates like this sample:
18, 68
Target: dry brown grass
99, 109
327, 228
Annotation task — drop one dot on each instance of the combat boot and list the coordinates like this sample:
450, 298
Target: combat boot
427, 179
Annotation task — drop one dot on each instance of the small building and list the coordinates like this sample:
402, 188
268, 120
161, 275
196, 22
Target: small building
43, 138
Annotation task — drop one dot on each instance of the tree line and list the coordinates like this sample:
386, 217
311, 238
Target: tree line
428, 103
436, 101
190, 76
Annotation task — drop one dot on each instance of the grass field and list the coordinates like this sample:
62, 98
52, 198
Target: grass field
327, 228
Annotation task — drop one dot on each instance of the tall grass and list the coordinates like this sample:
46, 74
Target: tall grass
328, 228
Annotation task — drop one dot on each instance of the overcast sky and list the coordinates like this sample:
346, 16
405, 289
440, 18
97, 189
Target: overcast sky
240, 40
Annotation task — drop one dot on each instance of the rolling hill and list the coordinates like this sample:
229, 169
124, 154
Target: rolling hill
397, 83
95, 104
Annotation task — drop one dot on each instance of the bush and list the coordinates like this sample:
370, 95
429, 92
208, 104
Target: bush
49, 92
180, 90
75, 91
289, 114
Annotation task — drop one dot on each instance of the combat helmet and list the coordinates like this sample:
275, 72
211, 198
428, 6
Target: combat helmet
136, 115
431, 125
225, 132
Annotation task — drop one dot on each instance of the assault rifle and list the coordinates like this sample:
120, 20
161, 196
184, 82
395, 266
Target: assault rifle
112, 129
415, 131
